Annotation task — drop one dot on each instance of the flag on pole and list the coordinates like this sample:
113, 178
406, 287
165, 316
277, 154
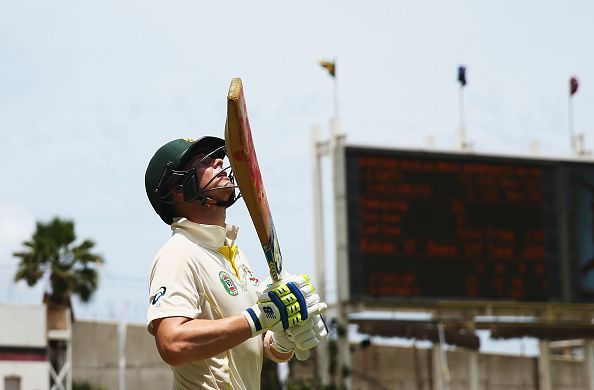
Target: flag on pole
330, 67
573, 86
462, 75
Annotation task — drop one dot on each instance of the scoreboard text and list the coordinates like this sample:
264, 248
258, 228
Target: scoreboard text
445, 226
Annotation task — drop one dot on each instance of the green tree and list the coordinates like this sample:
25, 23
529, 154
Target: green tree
72, 268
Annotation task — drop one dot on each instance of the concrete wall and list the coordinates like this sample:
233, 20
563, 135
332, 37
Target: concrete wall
382, 367
568, 375
34, 375
22, 333
22, 326
95, 353
508, 372
378, 367
96, 357
144, 367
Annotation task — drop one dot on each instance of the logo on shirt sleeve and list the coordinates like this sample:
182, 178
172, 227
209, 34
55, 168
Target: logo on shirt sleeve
156, 296
228, 283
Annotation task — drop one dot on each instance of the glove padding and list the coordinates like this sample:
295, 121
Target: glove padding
283, 305
301, 338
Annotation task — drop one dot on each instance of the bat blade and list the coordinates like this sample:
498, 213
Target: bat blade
243, 159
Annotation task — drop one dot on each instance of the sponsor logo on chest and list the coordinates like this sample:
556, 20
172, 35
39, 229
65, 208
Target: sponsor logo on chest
228, 283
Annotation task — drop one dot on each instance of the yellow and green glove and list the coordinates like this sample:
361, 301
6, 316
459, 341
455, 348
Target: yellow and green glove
284, 305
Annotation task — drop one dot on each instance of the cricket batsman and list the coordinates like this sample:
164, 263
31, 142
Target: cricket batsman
213, 321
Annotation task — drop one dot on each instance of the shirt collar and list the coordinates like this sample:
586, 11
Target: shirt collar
210, 236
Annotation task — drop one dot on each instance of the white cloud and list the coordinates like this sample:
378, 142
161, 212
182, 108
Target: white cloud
16, 225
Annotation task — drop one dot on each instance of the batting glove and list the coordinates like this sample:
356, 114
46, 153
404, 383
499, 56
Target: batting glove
309, 334
283, 305
282, 344
301, 338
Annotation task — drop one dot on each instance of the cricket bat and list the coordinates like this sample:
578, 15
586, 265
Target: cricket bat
242, 156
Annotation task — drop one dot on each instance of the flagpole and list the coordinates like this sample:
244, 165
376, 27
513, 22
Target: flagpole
575, 143
462, 143
336, 122
462, 130
336, 99
571, 130
334, 148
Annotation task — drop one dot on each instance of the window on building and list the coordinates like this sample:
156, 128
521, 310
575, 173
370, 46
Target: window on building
12, 383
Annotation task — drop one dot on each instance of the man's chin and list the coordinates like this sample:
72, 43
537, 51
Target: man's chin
222, 194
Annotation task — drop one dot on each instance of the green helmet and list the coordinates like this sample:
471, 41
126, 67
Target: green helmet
169, 158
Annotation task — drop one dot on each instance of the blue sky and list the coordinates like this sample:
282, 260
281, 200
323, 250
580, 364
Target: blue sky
89, 90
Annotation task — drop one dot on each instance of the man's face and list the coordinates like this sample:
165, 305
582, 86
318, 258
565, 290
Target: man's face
210, 175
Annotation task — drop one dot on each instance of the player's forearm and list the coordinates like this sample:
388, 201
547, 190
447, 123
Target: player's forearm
200, 339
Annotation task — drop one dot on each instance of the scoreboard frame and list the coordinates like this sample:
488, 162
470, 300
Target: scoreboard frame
565, 260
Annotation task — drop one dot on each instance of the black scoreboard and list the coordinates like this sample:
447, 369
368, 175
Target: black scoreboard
425, 225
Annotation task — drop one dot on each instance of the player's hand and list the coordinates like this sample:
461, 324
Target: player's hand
283, 305
309, 334
301, 338
282, 344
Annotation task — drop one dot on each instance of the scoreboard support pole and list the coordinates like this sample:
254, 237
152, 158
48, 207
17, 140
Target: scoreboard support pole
335, 149
473, 370
319, 150
441, 371
436, 357
544, 366
564, 238
342, 265
589, 363
473, 363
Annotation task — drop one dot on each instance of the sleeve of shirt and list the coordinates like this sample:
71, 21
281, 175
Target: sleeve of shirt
174, 288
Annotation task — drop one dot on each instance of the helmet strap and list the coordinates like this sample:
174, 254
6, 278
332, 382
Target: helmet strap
210, 202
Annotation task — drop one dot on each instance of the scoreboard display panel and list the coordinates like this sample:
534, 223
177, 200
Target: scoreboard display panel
425, 225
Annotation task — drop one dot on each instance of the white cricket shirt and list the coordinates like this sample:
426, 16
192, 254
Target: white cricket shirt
191, 277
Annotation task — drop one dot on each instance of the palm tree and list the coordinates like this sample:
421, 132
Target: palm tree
72, 268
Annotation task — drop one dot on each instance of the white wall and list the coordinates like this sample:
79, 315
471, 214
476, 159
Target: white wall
34, 375
22, 326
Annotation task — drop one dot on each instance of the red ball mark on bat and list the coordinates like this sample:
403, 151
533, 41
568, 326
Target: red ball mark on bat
248, 153
256, 176
239, 155
248, 146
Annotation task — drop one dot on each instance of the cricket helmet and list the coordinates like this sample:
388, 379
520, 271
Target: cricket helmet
164, 175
